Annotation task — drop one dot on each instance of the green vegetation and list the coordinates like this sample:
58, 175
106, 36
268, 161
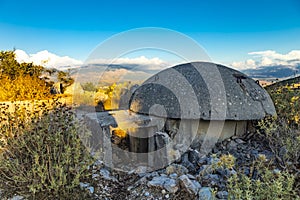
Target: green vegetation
89, 86
9, 67
283, 132
65, 78
42, 155
279, 178
109, 96
270, 184
21, 81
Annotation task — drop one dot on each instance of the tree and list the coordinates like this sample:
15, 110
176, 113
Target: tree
65, 79
8, 65
21, 81
11, 68
89, 86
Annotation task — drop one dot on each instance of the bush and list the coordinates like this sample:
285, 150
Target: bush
23, 87
269, 184
283, 140
42, 155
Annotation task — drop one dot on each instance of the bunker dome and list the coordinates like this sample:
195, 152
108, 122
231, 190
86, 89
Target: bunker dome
199, 93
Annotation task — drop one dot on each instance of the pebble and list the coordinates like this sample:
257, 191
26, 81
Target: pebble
95, 176
91, 189
147, 194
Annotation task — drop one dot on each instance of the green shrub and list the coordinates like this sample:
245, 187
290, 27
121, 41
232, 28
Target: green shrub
269, 184
42, 154
283, 140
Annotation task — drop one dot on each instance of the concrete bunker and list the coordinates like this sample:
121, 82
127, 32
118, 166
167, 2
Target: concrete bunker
241, 102
187, 105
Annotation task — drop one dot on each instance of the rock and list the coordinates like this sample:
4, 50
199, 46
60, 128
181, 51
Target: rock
222, 195
17, 197
178, 169
152, 174
205, 169
106, 175
225, 172
84, 185
173, 176
95, 176
211, 179
161, 139
186, 163
239, 141
189, 185
246, 171
202, 161
87, 186
141, 181
146, 194
194, 157
173, 154
254, 152
191, 177
212, 160
205, 194
164, 182
196, 183
140, 170
91, 189
276, 171
282, 151
232, 145
171, 185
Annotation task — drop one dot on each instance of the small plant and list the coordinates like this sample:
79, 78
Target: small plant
42, 155
226, 161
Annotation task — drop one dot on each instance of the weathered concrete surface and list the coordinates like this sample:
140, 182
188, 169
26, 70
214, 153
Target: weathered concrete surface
149, 133
202, 90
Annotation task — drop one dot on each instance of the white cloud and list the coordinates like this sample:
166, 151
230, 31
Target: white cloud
47, 59
141, 62
250, 63
50, 60
269, 58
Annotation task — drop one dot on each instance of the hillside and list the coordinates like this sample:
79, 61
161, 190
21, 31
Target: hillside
286, 82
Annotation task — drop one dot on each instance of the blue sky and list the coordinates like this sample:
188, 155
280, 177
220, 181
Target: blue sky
228, 30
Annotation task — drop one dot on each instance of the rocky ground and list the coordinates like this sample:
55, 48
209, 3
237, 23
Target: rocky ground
191, 177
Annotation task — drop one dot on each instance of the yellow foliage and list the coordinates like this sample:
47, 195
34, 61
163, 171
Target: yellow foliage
294, 98
23, 88
120, 133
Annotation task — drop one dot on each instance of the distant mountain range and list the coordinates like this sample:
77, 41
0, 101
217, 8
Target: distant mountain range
268, 72
117, 72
